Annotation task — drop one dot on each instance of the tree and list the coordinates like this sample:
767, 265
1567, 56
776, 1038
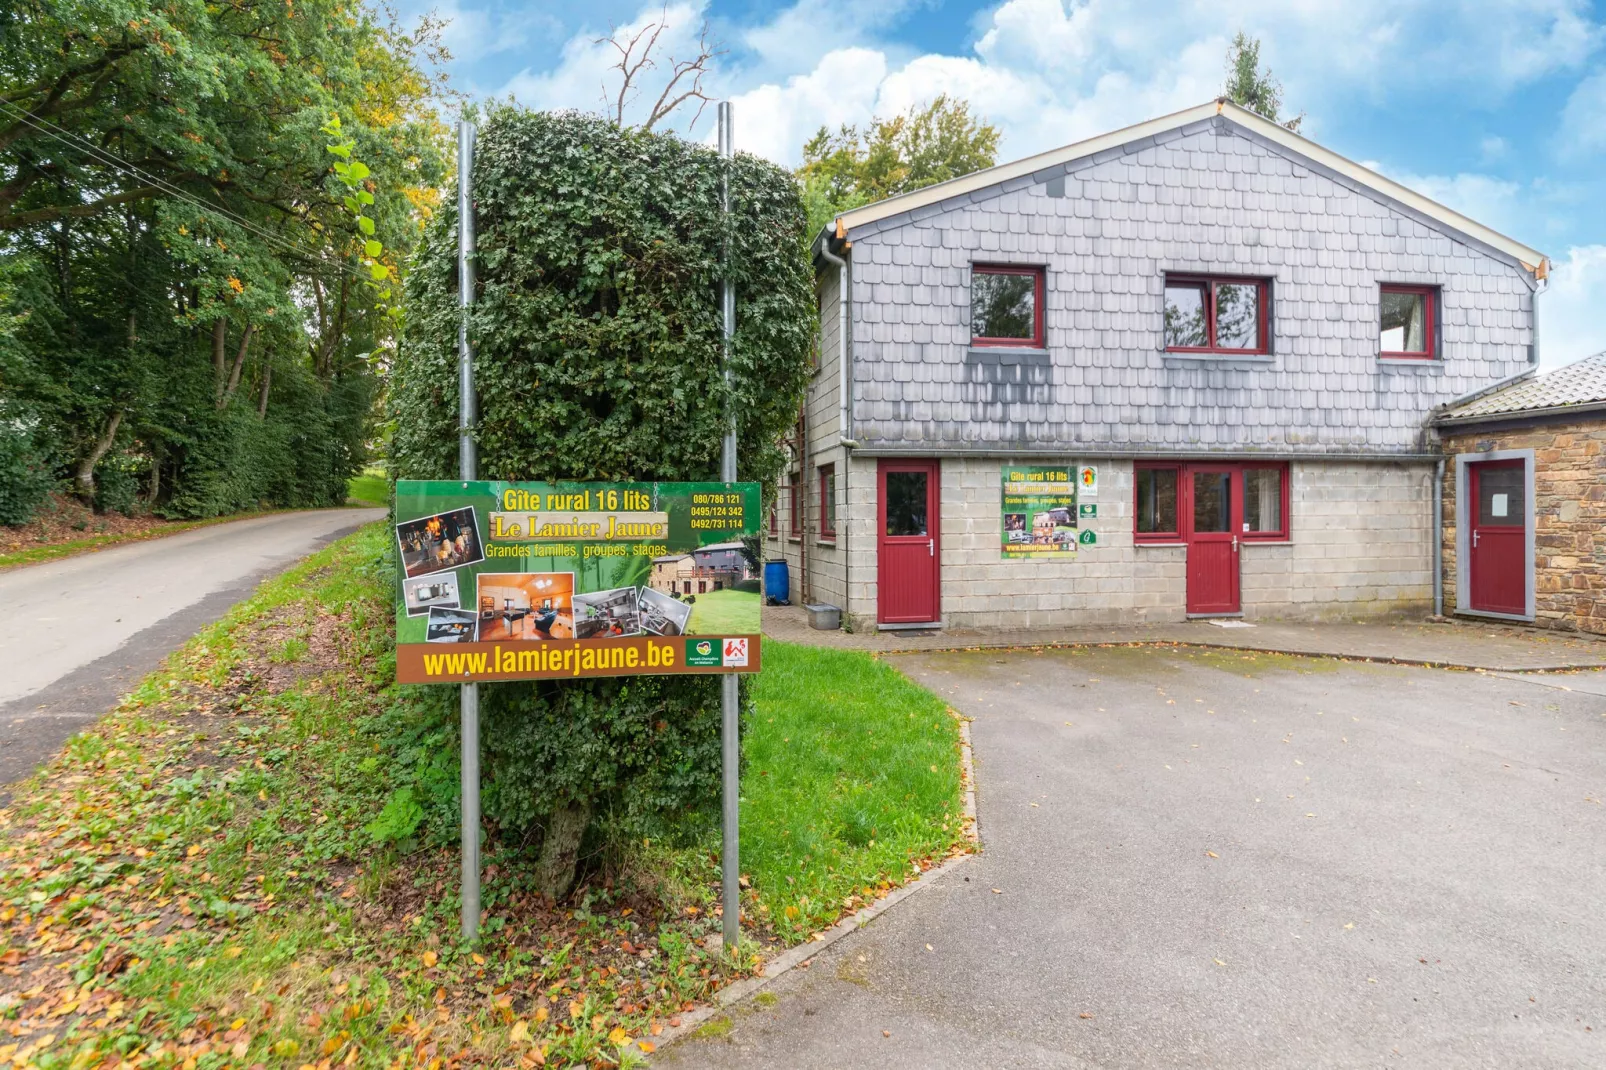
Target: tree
639, 55
184, 255
919, 148
1249, 85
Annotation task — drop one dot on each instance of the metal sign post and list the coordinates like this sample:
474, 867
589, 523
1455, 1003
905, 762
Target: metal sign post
468, 468
730, 701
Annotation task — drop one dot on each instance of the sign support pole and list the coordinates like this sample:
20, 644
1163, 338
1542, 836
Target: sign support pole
468, 468
730, 694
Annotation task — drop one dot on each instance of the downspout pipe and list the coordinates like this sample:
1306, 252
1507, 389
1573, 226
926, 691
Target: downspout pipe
844, 425
1438, 538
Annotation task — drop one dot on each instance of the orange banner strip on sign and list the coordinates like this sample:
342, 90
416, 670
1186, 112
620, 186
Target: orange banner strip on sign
563, 659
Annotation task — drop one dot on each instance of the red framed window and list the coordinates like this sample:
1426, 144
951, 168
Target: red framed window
775, 520
1155, 509
1265, 502
828, 501
1006, 305
1207, 314
1408, 323
1162, 509
795, 501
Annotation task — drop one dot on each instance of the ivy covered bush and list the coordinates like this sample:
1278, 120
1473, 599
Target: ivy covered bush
597, 338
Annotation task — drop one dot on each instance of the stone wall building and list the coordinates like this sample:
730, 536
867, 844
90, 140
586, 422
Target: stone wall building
1525, 501
1232, 338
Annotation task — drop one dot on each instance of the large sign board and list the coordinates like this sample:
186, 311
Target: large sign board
540, 581
1040, 515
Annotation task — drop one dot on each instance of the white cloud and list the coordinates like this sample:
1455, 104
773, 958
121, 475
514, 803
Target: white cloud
1571, 324
1583, 120
584, 77
773, 121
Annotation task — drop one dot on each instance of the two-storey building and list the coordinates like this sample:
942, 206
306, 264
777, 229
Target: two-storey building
1230, 339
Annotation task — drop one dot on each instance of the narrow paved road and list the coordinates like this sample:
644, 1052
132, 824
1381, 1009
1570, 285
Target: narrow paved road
76, 634
1217, 861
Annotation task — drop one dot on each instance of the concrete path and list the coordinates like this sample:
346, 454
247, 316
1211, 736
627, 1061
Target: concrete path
1457, 644
1198, 858
78, 633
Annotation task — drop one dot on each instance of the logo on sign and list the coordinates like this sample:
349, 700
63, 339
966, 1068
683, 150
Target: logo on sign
701, 652
1088, 537
736, 652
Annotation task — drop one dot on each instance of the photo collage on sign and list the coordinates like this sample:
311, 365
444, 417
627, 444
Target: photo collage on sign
464, 607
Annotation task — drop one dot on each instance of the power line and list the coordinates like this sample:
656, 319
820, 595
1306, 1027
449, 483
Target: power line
74, 141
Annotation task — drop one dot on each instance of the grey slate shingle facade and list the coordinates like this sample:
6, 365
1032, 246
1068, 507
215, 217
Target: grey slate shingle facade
1212, 197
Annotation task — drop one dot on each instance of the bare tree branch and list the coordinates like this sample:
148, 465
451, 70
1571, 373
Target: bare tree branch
637, 58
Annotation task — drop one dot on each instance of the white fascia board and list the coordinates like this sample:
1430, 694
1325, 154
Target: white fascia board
1532, 259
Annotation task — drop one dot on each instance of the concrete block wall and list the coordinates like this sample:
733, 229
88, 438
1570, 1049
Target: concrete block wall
1569, 517
1360, 549
1360, 546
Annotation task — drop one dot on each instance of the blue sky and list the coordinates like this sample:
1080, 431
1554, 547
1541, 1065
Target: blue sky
1496, 108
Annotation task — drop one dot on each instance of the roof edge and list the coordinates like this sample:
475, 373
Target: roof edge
1532, 260
1511, 415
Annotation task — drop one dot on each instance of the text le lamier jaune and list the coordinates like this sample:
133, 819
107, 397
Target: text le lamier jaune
577, 516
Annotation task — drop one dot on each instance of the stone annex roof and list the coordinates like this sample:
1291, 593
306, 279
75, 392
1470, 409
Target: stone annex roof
1581, 383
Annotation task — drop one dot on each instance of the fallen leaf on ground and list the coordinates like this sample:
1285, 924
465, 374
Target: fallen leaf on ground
1212, 854
1084, 1014
430, 958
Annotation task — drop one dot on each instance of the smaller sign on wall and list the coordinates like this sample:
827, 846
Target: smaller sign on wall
1088, 511
1087, 481
1039, 505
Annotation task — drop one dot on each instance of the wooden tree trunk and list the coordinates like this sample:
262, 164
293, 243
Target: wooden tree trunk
239, 366
560, 850
84, 477
220, 337
267, 380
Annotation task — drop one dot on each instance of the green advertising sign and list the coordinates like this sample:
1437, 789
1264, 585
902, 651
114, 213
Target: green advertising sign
529, 581
1039, 512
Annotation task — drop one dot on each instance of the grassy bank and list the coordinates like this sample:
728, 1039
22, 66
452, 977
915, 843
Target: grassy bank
209, 877
372, 487
40, 542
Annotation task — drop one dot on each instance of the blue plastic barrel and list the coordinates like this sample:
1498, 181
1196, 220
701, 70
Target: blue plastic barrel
777, 582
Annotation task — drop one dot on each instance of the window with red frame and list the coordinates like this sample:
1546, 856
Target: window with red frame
775, 521
1409, 315
795, 501
1006, 306
828, 501
1162, 509
1265, 502
1216, 315
1155, 511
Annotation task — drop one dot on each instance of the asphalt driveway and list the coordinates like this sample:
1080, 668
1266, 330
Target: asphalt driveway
1214, 859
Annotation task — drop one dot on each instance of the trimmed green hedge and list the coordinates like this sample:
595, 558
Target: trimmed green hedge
597, 333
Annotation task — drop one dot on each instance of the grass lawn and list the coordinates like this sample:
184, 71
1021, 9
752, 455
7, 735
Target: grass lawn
199, 881
371, 487
852, 781
733, 610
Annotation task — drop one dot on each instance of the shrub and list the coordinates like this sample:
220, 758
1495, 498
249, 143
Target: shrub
25, 476
598, 356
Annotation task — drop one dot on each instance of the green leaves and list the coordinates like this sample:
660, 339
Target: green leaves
372, 248
365, 224
597, 330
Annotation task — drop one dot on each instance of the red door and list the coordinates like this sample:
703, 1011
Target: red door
1499, 512
908, 551
1211, 517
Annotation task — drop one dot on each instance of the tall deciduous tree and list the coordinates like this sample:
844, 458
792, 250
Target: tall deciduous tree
187, 257
1250, 85
919, 148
